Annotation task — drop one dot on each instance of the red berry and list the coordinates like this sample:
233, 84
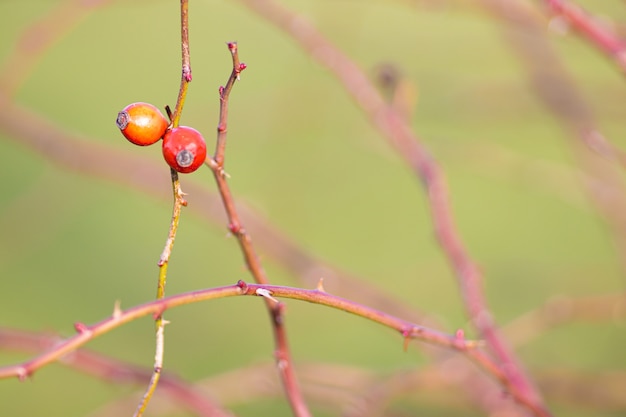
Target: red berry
184, 149
141, 123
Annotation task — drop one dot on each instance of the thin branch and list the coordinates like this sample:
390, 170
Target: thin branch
400, 136
282, 353
186, 62
179, 202
220, 147
86, 333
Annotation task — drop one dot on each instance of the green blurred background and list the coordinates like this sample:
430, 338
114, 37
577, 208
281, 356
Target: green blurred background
302, 155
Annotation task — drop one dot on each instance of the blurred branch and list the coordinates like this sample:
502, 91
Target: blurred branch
562, 310
39, 36
598, 34
112, 370
329, 386
400, 136
553, 85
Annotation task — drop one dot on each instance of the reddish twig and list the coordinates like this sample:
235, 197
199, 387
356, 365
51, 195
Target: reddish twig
270, 293
282, 353
401, 137
589, 27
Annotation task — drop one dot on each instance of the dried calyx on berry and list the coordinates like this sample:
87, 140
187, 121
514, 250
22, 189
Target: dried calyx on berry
184, 149
142, 123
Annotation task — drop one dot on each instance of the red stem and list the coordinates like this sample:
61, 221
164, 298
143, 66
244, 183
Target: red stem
282, 353
86, 333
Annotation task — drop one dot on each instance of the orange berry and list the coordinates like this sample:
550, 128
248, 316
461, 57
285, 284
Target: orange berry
141, 123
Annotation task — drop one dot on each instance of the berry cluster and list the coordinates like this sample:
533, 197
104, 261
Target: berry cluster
184, 148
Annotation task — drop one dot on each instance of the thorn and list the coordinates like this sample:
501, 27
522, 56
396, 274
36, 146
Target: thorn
459, 339
81, 327
266, 293
117, 310
234, 228
242, 286
320, 285
165, 322
22, 374
406, 334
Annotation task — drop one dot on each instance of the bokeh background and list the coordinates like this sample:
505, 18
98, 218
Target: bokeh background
302, 155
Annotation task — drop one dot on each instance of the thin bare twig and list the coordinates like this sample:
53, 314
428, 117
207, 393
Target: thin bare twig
179, 202
186, 62
282, 352
269, 293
